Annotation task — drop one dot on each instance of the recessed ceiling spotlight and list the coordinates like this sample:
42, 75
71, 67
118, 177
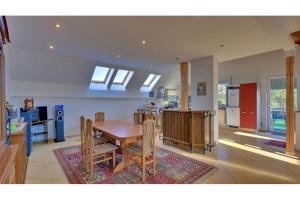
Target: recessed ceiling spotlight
151, 66
118, 56
221, 45
51, 47
143, 42
57, 25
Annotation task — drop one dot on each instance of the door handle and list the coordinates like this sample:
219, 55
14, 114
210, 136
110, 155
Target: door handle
244, 112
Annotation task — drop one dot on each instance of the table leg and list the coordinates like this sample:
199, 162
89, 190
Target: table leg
121, 165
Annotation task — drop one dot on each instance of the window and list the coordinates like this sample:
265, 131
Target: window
222, 94
150, 82
100, 74
120, 76
121, 80
101, 78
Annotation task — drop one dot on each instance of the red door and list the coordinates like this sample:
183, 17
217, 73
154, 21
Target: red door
252, 99
244, 106
248, 105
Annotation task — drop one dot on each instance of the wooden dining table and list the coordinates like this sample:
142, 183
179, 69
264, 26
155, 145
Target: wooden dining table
123, 131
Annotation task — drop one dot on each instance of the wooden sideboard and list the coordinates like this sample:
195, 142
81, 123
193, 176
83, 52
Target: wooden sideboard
190, 129
19, 138
7, 164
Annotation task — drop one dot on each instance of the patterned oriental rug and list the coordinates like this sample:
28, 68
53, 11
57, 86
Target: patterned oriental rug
172, 168
276, 143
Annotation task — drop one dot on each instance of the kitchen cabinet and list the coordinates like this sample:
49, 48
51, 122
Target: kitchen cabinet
233, 116
248, 105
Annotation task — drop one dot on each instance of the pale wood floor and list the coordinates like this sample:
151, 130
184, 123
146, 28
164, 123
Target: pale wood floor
240, 158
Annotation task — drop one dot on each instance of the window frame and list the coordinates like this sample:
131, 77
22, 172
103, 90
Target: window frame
152, 83
155, 75
124, 79
106, 76
226, 83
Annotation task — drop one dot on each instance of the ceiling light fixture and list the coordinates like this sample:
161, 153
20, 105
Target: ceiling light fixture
57, 25
151, 66
118, 56
51, 47
143, 42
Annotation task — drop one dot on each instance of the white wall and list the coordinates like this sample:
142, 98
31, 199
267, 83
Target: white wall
205, 70
74, 107
257, 68
52, 78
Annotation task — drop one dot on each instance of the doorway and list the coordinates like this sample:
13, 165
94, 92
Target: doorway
277, 105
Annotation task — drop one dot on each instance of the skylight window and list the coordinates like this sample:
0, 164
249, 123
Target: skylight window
150, 82
120, 76
121, 80
100, 74
101, 78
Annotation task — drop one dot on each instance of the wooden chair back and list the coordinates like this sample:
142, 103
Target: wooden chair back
99, 116
89, 145
149, 116
149, 138
82, 136
138, 118
89, 136
82, 128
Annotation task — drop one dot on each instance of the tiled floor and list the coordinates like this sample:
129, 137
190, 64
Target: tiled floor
240, 158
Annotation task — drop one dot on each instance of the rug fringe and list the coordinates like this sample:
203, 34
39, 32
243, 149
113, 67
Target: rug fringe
209, 174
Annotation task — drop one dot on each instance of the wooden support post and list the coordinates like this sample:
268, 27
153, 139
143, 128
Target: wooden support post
4, 38
184, 85
2, 97
290, 113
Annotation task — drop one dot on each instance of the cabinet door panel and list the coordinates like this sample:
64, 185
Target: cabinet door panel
244, 106
252, 105
252, 97
248, 102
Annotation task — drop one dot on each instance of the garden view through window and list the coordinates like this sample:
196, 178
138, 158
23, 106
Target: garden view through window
222, 96
277, 104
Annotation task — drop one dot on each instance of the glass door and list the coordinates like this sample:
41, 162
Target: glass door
277, 105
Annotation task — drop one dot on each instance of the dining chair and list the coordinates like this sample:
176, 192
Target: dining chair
97, 153
149, 116
82, 135
137, 118
99, 116
144, 151
99, 139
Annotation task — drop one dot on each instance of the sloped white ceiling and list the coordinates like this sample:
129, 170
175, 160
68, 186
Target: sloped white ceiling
83, 42
102, 38
51, 67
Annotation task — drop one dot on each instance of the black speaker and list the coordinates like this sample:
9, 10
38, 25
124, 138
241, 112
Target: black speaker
59, 123
43, 113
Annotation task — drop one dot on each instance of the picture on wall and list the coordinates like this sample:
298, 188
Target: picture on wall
201, 89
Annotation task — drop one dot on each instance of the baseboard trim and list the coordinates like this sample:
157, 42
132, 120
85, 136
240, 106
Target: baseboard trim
51, 140
238, 129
